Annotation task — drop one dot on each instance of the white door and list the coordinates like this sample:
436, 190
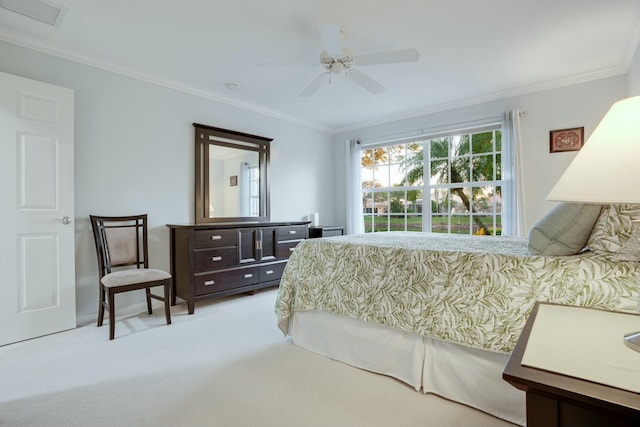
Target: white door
37, 257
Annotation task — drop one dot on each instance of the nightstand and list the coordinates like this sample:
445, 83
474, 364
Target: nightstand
324, 231
560, 400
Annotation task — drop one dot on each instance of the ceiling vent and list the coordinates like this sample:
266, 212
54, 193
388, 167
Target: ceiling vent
39, 10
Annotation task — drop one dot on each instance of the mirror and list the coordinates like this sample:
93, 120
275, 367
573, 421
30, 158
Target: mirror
231, 175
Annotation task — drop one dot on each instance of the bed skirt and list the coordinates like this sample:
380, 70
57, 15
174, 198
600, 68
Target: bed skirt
462, 374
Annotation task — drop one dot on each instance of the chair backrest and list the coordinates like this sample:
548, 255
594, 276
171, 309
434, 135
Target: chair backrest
120, 241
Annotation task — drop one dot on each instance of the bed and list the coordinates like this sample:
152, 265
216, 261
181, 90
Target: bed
439, 312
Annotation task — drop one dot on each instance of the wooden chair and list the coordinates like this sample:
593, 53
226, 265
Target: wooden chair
121, 244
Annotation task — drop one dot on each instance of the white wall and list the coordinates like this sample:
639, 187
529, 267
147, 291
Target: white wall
134, 153
634, 74
574, 106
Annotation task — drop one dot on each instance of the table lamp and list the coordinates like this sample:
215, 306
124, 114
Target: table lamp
606, 170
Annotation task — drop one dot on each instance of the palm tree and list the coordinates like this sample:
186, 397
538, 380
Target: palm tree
463, 167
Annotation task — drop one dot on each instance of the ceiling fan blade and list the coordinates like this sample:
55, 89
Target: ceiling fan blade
315, 84
388, 57
365, 81
331, 39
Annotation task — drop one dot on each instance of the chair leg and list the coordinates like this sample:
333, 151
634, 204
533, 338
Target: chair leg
112, 315
101, 306
148, 292
167, 302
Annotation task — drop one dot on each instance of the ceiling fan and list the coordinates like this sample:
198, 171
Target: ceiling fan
338, 60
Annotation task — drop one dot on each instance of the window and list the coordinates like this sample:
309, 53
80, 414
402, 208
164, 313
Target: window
459, 173
254, 190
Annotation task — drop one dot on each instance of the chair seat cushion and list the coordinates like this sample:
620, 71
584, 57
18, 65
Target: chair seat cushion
134, 275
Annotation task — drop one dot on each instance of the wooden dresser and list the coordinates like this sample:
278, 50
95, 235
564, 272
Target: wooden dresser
219, 259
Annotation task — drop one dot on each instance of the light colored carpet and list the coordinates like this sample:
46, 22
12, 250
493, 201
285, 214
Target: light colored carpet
226, 365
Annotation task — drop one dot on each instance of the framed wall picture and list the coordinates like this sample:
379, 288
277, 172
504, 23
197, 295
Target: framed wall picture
233, 180
566, 140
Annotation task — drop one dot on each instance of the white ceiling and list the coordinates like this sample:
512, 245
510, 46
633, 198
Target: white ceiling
471, 50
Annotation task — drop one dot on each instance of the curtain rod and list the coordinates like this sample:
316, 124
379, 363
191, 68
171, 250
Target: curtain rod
416, 133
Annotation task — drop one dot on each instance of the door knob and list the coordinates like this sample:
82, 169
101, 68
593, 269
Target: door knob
65, 220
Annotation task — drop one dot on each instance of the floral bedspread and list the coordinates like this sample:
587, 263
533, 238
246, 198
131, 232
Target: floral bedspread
471, 290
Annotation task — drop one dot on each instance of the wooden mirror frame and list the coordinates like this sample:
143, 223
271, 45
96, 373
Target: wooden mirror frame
205, 136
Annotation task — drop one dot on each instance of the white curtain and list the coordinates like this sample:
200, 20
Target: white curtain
513, 215
355, 220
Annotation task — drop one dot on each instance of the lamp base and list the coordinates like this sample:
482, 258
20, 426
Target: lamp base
632, 340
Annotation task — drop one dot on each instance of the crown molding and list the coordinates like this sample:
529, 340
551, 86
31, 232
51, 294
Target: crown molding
490, 97
21, 40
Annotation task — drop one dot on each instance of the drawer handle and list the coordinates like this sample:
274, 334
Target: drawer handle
216, 237
292, 249
209, 282
248, 276
269, 272
216, 258
292, 231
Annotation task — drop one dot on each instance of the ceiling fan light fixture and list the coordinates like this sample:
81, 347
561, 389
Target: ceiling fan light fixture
337, 67
40, 10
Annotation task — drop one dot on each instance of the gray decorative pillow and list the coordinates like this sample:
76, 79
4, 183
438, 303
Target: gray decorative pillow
565, 230
615, 235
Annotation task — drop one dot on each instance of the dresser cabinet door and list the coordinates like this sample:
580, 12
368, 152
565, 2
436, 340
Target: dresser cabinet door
269, 244
247, 247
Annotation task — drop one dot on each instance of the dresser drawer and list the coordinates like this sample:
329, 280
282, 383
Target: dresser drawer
225, 280
215, 238
215, 259
331, 233
285, 249
273, 271
292, 232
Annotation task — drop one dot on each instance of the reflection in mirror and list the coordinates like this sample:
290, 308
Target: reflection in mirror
231, 175
234, 183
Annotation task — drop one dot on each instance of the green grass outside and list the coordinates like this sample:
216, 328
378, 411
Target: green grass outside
414, 223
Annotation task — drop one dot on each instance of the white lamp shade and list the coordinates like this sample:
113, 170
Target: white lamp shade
607, 168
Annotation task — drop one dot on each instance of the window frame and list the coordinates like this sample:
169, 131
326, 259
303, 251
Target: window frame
496, 184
